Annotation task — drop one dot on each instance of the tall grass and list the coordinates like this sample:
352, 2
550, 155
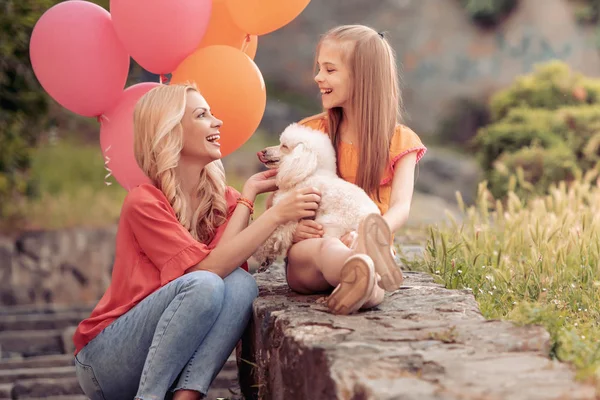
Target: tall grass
534, 261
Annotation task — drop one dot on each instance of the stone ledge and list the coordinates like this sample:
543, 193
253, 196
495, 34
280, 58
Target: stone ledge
424, 342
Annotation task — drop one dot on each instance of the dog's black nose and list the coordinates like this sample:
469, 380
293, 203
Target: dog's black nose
264, 151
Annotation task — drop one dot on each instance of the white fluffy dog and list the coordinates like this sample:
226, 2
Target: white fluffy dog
306, 158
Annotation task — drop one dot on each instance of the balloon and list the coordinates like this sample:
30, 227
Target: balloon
259, 17
222, 29
159, 34
251, 46
233, 87
116, 137
77, 57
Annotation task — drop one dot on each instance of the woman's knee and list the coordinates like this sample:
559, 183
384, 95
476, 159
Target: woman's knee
241, 283
204, 286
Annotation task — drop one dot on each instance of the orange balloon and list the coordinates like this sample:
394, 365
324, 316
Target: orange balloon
250, 46
222, 29
232, 85
259, 17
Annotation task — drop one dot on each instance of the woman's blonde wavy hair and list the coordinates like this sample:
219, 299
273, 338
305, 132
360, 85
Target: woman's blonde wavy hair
158, 140
375, 96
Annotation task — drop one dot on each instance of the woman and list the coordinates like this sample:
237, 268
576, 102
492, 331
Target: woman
178, 301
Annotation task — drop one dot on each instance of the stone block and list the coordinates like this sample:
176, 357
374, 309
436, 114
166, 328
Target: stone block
423, 342
32, 343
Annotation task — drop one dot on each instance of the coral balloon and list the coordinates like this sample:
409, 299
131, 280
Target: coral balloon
259, 17
77, 57
116, 137
222, 29
233, 87
251, 46
159, 34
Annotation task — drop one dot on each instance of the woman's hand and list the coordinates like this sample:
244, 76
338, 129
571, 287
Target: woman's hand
307, 229
261, 182
298, 204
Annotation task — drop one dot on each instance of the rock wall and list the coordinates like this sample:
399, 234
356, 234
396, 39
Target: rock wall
70, 266
423, 343
443, 54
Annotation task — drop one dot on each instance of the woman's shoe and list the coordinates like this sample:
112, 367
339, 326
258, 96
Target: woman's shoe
375, 240
357, 280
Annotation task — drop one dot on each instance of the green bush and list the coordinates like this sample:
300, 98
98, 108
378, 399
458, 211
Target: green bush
588, 12
537, 168
522, 127
551, 86
547, 123
23, 103
488, 13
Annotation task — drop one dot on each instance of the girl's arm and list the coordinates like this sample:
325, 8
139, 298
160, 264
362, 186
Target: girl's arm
402, 191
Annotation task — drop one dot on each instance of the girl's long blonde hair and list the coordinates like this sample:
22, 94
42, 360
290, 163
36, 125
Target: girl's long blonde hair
375, 99
158, 140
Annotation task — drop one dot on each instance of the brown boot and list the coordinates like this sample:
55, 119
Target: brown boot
357, 279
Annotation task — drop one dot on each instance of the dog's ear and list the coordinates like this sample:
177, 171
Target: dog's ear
296, 167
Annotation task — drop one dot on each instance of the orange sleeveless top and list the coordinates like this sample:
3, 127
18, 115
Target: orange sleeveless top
403, 142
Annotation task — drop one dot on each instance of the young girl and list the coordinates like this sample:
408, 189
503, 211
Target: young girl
358, 80
178, 301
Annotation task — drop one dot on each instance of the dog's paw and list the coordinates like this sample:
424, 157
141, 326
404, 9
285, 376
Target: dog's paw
265, 265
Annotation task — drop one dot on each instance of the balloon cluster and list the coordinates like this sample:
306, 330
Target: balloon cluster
80, 53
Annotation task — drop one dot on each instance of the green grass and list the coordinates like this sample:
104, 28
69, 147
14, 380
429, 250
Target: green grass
70, 189
530, 262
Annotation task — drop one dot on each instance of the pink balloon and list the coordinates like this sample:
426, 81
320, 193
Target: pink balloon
116, 137
159, 34
77, 57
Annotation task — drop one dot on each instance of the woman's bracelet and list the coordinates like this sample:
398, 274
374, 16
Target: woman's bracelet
247, 203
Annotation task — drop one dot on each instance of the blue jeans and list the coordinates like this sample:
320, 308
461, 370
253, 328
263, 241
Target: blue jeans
179, 337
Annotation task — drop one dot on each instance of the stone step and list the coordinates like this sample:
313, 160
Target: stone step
225, 385
20, 322
32, 343
222, 394
74, 397
58, 360
15, 375
6, 391
37, 309
47, 388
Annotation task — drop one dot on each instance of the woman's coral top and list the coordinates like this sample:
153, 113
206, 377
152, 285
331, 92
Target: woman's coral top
152, 249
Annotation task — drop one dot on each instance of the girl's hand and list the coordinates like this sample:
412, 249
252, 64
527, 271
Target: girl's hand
261, 182
298, 204
307, 229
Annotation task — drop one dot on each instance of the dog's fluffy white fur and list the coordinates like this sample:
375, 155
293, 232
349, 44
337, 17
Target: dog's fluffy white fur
306, 158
